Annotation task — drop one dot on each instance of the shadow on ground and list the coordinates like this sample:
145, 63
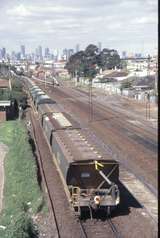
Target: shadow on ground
127, 201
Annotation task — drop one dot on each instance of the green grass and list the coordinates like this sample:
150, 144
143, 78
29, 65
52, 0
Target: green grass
21, 190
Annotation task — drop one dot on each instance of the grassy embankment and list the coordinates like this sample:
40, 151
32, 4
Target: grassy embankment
22, 195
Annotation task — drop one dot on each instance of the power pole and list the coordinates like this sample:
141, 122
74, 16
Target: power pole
10, 85
148, 67
90, 101
53, 83
148, 106
156, 78
45, 78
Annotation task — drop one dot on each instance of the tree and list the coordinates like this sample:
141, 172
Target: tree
86, 63
75, 64
108, 59
90, 62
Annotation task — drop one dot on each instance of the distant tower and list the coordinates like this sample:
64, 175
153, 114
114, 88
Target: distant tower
40, 51
46, 52
70, 52
22, 51
99, 47
13, 55
77, 48
65, 54
0, 54
124, 54
3, 53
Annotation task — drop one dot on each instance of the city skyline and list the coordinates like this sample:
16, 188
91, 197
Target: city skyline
41, 53
123, 25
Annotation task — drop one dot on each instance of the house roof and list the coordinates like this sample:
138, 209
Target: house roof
5, 103
4, 83
148, 81
116, 74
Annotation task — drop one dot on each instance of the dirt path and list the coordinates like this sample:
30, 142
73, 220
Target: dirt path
3, 151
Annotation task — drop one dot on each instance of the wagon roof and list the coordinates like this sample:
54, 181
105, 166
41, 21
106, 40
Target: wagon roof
48, 108
33, 87
36, 90
62, 120
78, 148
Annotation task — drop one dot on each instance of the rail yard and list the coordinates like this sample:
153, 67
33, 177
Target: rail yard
105, 160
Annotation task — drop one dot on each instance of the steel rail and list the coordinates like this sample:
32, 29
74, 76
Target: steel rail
83, 230
114, 229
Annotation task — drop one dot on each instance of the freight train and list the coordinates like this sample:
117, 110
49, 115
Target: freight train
90, 181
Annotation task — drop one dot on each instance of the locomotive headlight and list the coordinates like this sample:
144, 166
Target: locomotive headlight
97, 200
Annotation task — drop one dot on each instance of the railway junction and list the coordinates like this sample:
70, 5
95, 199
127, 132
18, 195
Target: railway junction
116, 129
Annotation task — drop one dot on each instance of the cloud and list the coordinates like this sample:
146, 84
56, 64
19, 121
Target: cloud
64, 23
19, 10
146, 20
38, 10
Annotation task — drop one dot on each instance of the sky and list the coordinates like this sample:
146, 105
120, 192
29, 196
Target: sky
122, 25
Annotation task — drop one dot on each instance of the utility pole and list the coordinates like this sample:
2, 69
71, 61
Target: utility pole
53, 82
156, 78
148, 67
45, 78
9, 78
148, 106
90, 101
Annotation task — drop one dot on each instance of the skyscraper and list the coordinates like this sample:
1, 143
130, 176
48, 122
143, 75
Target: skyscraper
22, 51
70, 52
65, 54
124, 54
13, 55
77, 48
46, 52
40, 51
99, 47
0, 54
3, 53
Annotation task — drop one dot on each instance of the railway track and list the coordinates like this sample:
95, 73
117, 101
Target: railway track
119, 129
88, 231
100, 229
144, 132
114, 229
131, 129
